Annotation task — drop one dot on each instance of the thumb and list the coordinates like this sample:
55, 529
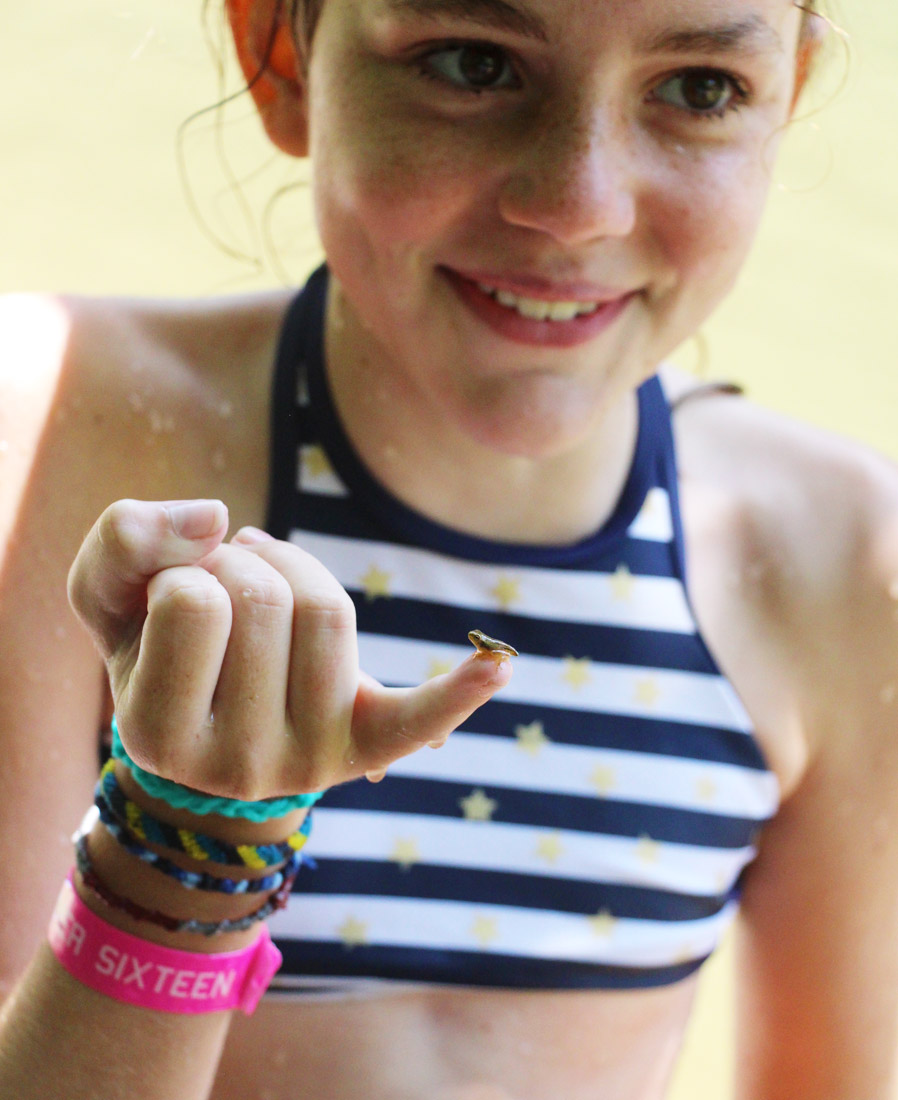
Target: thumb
131, 542
389, 723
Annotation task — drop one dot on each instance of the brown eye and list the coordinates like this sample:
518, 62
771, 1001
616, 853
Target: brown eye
480, 66
704, 91
473, 66
701, 91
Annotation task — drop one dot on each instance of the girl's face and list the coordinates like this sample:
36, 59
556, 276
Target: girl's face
527, 204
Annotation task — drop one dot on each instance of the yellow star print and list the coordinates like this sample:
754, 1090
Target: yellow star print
376, 583
485, 930
622, 583
438, 668
706, 789
506, 592
315, 462
532, 738
603, 924
648, 850
647, 692
406, 853
576, 672
477, 807
550, 848
604, 779
353, 932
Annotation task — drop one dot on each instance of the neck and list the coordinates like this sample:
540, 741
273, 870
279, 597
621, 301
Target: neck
428, 462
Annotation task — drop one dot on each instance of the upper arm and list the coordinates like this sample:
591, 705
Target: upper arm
51, 681
818, 942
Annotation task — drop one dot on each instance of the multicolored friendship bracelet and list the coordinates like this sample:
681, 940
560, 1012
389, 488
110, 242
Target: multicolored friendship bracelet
91, 880
185, 798
193, 880
198, 846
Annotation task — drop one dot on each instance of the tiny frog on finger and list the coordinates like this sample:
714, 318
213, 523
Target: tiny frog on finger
483, 643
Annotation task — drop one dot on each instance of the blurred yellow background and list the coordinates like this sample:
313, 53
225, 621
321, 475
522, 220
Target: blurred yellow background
91, 98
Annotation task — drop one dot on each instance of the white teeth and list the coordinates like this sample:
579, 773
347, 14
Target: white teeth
535, 309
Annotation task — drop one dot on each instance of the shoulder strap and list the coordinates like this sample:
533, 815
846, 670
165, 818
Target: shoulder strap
301, 330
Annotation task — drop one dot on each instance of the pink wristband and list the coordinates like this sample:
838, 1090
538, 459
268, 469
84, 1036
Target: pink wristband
164, 979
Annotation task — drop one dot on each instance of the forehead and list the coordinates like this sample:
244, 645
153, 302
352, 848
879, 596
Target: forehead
737, 25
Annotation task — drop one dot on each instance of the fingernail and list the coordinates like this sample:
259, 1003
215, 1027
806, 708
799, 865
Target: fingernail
250, 535
197, 519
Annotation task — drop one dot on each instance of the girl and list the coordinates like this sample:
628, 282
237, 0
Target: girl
459, 423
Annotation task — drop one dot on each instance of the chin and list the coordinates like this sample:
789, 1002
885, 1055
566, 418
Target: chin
538, 417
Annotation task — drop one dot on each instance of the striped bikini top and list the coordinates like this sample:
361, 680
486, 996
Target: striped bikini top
589, 826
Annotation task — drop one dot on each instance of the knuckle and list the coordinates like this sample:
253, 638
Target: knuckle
331, 606
267, 594
195, 596
118, 529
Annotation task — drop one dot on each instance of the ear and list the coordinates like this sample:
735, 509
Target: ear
268, 57
813, 33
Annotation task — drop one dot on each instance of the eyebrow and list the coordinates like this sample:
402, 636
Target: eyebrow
496, 14
751, 35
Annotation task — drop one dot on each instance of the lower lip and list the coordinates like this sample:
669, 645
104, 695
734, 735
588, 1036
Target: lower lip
548, 334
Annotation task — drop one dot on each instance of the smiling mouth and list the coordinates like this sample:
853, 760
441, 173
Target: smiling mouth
537, 309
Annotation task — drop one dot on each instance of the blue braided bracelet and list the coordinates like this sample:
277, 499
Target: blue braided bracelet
193, 880
185, 798
196, 845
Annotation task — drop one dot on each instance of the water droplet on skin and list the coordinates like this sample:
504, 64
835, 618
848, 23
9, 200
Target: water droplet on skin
225, 410
136, 402
161, 424
375, 775
888, 694
893, 589
219, 462
247, 593
60, 631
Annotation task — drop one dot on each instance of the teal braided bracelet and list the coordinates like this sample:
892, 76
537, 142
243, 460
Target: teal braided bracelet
184, 798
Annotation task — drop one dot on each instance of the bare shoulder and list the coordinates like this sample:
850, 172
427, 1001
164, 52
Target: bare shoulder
793, 533
823, 502
133, 389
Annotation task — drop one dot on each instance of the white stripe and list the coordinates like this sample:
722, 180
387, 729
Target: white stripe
695, 697
646, 778
654, 519
639, 602
496, 846
542, 934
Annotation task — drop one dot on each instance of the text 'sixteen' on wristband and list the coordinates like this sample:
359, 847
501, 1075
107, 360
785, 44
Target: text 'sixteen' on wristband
163, 979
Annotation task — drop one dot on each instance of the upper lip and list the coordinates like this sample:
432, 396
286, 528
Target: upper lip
545, 289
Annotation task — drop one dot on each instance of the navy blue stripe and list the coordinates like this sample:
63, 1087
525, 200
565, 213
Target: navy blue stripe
435, 622
468, 967
372, 878
538, 810
628, 733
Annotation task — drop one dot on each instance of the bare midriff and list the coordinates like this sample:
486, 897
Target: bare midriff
443, 1044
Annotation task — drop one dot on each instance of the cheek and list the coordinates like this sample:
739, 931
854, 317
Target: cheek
396, 177
711, 215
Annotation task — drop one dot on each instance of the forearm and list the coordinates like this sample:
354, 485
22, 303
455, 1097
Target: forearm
74, 1036
60, 1039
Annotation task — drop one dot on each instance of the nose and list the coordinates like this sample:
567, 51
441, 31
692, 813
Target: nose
573, 178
